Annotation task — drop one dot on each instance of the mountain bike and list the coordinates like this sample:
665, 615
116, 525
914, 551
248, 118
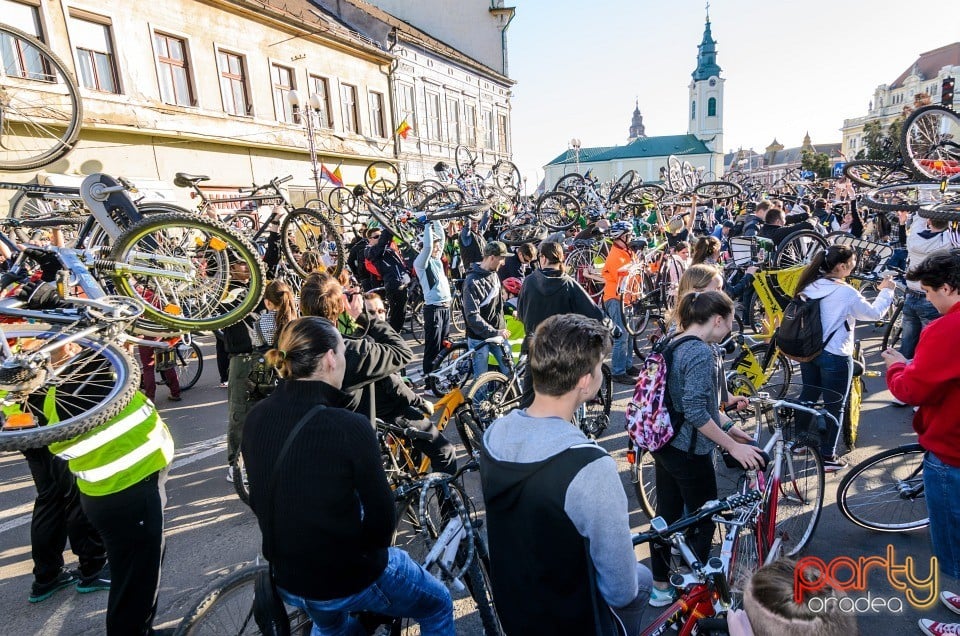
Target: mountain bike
885, 492
298, 230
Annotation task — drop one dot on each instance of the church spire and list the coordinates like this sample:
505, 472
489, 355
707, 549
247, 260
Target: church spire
707, 56
637, 130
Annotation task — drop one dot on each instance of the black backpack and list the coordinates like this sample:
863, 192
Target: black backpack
800, 334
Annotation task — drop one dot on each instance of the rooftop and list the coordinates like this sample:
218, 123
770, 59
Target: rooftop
662, 146
928, 65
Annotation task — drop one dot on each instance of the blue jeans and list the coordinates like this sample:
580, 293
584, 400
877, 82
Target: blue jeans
480, 362
941, 483
404, 589
622, 356
833, 373
917, 312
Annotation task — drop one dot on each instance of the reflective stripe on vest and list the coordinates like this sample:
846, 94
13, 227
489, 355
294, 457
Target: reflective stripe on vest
107, 435
157, 439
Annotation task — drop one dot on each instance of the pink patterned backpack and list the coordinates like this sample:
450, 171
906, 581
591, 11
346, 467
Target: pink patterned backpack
652, 420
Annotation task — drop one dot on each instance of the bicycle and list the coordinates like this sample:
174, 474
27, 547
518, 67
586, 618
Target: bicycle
885, 492
187, 359
298, 230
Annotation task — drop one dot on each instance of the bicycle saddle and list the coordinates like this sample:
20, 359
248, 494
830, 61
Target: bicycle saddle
186, 180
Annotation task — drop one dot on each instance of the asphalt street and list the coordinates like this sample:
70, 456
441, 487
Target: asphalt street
210, 532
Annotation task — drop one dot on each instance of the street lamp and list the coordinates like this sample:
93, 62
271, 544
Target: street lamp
575, 144
293, 98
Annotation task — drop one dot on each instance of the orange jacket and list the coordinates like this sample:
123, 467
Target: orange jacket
616, 259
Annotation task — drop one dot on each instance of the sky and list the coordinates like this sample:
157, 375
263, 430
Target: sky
790, 67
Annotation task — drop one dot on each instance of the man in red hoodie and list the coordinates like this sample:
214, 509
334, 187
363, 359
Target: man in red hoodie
931, 381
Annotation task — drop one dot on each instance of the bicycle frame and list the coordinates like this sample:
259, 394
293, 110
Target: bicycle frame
765, 285
446, 407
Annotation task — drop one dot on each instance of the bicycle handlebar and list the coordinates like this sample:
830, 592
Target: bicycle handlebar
706, 510
764, 398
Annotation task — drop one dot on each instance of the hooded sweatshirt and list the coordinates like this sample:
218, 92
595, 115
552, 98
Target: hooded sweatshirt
548, 292
841, 305
595, 501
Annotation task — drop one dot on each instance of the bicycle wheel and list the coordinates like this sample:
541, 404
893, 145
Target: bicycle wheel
226, 609
903, 196
189, 364
891, 335
190, 274
506, 176
382, 178
596, 415
305, 230
798, 249
469, 430
646, 484
718, 190
778, 373
415, 319
873, 174
342, 201
40, 107
457, 322
885, 492
465, 159
580, 264
621, 185
481, 587
744, 561
799, 499
633, 307
647, 194
520, 234
573, 184
92, 383
930, 142
558, 210
439, 204
491, 394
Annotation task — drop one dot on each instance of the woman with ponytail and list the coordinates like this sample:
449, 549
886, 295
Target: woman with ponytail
281, 309
841, 306
330, 507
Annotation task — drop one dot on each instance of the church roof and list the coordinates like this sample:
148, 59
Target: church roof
661, 146
928, 65
707, 66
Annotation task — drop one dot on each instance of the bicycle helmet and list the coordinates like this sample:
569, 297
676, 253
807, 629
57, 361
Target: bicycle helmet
618, 229
512, 285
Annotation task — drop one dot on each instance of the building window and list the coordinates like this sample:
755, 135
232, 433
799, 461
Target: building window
453, 120
348, 103
712, 107
693, 110
321, 87
502, 144
283, 83
406, 101
233, 84
489, 132
377, 126
95, 58
175, 84
432, 101
21, 16
470, 124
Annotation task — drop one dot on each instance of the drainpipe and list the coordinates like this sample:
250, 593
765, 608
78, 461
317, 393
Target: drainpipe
392, 39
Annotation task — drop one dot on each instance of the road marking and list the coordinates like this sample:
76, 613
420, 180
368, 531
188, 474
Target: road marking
189, 454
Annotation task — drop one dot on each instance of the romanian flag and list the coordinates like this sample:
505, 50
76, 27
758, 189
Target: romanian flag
333, 177
404, 128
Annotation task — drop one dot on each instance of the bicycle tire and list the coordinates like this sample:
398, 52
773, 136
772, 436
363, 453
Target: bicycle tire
491, 395
469, 431
37, 127
558, 210
382, 177
436, 205
646, 484
863, 488
100, 380
894, 329
573, 184
464, 158
520, 234
212, 300
780, 376
506, 177
457, 321
798, 248
633, 306
909, 196
644, 194
227, 608
481, 588
621, 185
873, 174
306, 230
239, 472
342, 201
942, 212
188, 355
718, 190
580, 263
802, 481
929, 142
597, 416
744, 561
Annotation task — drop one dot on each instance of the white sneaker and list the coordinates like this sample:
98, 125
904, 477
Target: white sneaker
895, 402
230, 474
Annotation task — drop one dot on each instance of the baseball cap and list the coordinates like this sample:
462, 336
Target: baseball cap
495, 248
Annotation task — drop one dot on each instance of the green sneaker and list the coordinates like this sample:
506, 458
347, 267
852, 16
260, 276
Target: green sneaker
42, 591
97, 582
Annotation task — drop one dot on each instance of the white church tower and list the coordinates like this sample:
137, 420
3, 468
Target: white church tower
705, 115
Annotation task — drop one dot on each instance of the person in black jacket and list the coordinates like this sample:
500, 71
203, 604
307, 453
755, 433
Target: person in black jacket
386, 258
483, 307
776, 229
326, 512
375, 354
471, 244
518, 264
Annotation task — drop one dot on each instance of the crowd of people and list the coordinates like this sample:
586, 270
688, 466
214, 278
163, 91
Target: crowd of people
557, 515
